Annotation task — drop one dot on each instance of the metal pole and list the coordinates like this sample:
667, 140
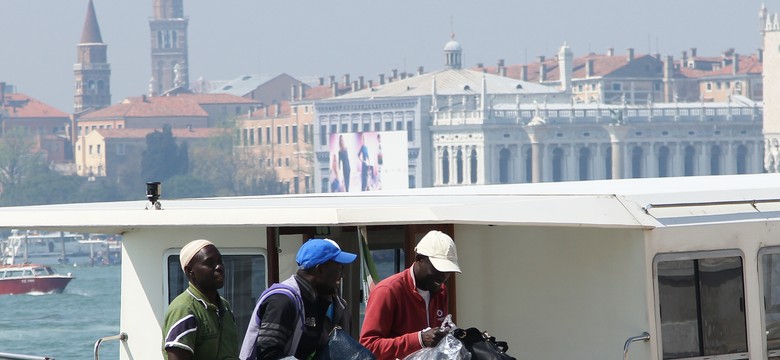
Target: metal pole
8, 356
120, 337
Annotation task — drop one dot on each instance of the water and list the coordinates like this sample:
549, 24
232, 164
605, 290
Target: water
65, 326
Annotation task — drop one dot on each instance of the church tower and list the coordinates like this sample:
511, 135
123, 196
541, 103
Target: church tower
771, 81
170, 64
92, 71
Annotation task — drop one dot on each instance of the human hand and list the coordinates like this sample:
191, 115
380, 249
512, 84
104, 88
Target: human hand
431, 337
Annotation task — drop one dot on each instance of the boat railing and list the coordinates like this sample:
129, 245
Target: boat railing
8, 356
120, 337
644, 337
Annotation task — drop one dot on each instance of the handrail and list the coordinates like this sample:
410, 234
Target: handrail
9, 356
120, 337
644, 337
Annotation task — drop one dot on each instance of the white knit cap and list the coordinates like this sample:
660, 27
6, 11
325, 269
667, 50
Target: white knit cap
189, 251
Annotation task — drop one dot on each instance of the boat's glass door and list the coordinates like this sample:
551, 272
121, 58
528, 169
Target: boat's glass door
701, 301
770, 287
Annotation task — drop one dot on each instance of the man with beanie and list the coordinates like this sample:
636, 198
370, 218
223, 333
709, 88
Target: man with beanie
294, 318
405, 311
199, 323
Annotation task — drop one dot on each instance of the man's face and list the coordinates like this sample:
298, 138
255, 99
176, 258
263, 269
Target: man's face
429, 278
328, 277
206, 269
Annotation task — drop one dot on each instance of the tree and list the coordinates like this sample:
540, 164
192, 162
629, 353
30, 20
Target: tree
17, 158
162, 158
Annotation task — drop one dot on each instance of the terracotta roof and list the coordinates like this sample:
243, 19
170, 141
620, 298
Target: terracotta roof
163, 106
748, 65
284, 111
319, 92
603, 65
217, 99
31, 108
195, 133
91, 32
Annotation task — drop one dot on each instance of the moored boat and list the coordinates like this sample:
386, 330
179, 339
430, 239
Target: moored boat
31, 279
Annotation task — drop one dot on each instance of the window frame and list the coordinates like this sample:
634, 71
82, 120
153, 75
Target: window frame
770, 250
699, 255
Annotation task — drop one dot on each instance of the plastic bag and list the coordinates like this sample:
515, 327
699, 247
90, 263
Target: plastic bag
449, 348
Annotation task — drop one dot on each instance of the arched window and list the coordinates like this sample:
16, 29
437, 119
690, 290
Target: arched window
159, 39
167, 40
557, 165
529, 166
608, 163
175, 38
663, 161
445, 167
473, 166
690, 161
715, 159
636, 162
503, 166
459, 166
742, 159
584, 163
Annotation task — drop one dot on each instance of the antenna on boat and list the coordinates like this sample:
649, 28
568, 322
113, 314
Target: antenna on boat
153, 192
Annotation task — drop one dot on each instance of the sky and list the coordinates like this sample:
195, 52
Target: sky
313, 38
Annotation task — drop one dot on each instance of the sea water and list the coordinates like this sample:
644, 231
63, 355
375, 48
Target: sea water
65, 326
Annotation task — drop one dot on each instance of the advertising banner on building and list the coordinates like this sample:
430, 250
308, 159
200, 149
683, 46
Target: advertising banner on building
367, 161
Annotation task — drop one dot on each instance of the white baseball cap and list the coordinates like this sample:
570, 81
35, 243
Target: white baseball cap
440, 249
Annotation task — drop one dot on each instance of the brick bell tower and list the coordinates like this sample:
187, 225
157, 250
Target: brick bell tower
170, 64
92, 71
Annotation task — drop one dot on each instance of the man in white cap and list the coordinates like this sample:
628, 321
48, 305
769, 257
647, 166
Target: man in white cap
406, 310
199, 323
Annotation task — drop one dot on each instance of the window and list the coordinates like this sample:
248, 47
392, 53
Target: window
617, 86
323, 135
286, 134
708, 86
504, 166
344, 128
295, 135
98, 149
389, 126
90, 149
259, 136
718, 85
701, 304
770, 283
355, 127
557, 164
268, 135
278, 134
410, 131
251, 136
245, 278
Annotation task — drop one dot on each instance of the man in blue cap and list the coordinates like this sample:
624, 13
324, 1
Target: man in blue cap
293, 318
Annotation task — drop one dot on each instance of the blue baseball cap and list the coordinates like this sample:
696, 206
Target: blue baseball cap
319, 251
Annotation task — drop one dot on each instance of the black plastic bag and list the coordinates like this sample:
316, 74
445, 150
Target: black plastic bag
341, 346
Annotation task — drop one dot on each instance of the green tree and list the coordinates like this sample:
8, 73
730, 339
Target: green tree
17, 158
163, 158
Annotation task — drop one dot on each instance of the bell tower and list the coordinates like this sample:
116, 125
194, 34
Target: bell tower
170, 64
771, 81
92, 71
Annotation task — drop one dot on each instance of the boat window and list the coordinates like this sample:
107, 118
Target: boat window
13, 273
27, 273
245, 280
49, 271
770, 280
39, 272
701, 305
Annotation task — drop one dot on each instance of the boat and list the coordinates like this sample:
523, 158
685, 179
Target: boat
49, 247
31, 279
656, 268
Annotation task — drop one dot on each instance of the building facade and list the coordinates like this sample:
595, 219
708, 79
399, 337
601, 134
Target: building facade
771, 75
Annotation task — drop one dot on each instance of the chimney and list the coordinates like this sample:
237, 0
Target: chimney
346, 79
321, 81
371, 84
361, 83
480, 65
524, 73
334, 89
143, 98
542, 72
611, 52
500, 66
693, 52
685, 58
503, 71
354, 86
381, 79
760, 55
403, 75
589, 68
735, 64
278, 109
395, 74
265, 110
420, 70
301, 91
630, 54
293, 92
540, 58
332, 80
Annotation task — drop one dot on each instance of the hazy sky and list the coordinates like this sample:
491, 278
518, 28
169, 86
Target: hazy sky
311, 38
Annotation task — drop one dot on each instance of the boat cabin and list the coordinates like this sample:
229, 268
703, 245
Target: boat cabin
577, 270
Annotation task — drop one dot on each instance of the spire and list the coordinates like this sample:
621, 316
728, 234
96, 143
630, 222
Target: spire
91, 32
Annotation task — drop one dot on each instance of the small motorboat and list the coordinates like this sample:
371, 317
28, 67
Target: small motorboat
31, 279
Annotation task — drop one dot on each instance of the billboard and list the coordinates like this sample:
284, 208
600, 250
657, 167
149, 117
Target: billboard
367, 161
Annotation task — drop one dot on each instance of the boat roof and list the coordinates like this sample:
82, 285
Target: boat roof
630, 203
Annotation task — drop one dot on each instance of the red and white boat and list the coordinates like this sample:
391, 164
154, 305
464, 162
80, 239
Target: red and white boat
31, 279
